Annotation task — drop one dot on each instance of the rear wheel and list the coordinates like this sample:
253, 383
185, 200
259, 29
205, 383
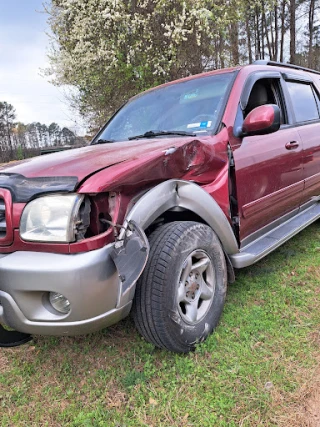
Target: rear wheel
181, 293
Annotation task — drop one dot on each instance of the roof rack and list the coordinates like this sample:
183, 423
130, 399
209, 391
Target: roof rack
282, 64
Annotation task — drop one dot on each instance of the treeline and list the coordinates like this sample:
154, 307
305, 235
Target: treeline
19, 141
279, 30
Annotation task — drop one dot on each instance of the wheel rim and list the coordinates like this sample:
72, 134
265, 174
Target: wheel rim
196, 287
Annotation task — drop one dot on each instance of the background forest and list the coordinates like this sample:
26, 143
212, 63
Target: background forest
109, 50
19, 141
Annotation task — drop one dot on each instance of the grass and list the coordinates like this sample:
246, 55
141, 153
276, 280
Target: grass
260, 367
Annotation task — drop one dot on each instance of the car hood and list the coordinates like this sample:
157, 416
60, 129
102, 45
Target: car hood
83, 162
115, 166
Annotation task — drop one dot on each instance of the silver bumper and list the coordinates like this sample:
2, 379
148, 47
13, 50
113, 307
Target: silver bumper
90, 281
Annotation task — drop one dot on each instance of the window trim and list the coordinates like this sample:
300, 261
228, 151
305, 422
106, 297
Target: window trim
250, 82
296, 77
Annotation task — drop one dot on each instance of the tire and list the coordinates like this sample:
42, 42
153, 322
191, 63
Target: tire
180, 295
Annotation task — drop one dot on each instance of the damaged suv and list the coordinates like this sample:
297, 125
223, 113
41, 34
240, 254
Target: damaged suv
185, 183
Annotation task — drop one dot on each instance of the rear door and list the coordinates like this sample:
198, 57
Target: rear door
305, 103
269, 173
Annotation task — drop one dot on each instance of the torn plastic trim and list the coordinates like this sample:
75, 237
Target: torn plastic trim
25, 189
130, 254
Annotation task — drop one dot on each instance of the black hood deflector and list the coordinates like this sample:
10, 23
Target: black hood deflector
25, 189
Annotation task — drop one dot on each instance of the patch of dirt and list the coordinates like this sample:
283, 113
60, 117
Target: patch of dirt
4, 363
303, 408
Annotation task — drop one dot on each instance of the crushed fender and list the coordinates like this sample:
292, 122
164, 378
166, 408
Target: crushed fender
130, 255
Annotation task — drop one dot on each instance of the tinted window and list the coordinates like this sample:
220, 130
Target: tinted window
193, 106
303, 101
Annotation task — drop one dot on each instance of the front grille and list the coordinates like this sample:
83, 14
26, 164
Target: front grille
3, 224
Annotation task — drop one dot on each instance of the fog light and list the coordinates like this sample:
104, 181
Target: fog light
59, 302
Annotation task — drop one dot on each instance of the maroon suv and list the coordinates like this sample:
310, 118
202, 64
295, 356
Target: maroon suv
186, 182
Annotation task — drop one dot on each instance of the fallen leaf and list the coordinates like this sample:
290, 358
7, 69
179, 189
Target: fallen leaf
153, 402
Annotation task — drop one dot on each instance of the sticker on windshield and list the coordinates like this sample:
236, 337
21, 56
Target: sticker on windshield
200, 125
191, 95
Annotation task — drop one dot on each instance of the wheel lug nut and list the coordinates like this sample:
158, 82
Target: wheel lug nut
198, 287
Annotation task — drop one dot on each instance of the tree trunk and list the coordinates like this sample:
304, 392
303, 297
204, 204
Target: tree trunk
8, 132
311, 34
292, 31
283, 29
265, 26
257, 35
249, 39
221, 51
276, 33
234, 42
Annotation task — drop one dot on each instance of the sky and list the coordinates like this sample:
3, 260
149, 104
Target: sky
24, 46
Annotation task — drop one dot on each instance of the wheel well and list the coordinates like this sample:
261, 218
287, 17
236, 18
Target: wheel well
181, 214
176, 214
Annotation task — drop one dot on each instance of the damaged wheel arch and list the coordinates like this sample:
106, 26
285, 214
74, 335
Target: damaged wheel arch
184, 194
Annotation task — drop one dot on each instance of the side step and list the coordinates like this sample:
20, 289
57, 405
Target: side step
267, 243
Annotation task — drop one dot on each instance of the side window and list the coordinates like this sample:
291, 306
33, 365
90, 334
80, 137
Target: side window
303, 101
266, 91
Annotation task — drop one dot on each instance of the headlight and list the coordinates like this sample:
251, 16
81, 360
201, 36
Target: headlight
51, 218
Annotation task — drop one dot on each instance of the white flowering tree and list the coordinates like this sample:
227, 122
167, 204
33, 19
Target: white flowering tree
112, 49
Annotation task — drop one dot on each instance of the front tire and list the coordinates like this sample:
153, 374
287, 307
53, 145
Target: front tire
180, 295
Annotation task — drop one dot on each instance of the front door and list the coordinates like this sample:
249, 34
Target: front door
269, 172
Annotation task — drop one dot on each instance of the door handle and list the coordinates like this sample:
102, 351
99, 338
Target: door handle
292, 145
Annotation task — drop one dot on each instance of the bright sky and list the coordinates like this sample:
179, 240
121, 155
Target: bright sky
23, 48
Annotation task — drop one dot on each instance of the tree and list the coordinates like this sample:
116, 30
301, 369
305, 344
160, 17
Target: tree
110, 50
293, 31
54, 134
7, 117
67, 137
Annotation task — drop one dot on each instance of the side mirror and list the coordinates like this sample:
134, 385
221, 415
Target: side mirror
262, 120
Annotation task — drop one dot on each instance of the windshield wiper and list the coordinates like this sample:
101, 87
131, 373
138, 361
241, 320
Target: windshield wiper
155, 133
102, 141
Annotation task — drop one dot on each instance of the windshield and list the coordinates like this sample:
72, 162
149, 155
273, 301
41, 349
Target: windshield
193, 107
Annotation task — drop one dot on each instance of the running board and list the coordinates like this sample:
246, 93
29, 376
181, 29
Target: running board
261, 247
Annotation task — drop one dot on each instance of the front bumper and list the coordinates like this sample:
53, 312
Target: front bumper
99, 294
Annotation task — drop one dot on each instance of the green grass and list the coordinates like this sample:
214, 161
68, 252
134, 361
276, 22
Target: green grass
247, 373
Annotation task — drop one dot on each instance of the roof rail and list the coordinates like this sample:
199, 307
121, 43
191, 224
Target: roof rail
282, 64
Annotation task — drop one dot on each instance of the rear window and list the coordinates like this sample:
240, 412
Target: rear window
303, 100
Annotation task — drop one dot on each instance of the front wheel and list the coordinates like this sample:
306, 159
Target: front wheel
181, 293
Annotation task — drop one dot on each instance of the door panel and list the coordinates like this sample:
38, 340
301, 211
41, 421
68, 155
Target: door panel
305, 103
310, 136
269, 178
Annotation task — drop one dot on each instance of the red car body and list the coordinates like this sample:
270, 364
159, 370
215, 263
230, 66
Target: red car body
261, 168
